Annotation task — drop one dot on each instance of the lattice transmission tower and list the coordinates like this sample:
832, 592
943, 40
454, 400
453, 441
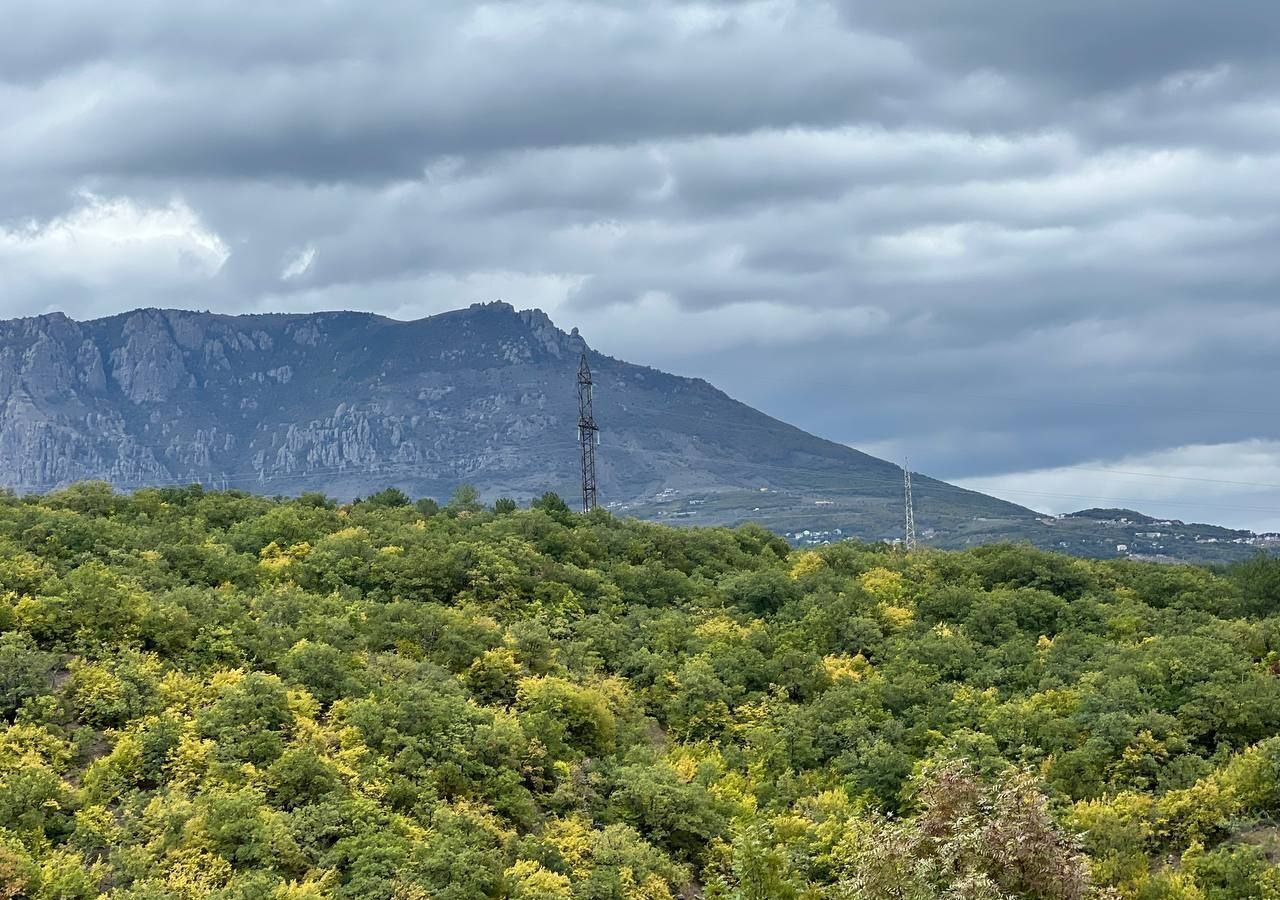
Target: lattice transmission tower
909, 539
588, 435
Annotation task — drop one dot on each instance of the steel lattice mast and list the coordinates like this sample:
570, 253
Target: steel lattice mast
588, 435
909, 541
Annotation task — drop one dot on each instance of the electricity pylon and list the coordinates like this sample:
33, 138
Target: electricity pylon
588, 435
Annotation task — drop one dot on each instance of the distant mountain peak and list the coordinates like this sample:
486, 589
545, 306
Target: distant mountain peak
1112, 514
492, 306
349, 403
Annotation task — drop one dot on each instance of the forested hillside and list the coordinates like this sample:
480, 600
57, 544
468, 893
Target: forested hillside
220, 695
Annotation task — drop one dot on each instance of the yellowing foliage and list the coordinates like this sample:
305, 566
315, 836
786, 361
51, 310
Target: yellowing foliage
885, 585
196, 874
898, 617
853, 668
806, 563
531, 880
722, 628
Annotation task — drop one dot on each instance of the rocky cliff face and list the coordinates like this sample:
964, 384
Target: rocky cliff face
348, 403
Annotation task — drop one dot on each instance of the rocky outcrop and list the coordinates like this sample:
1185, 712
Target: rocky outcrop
149, 367
321, 401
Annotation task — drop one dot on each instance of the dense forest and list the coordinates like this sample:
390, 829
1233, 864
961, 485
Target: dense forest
220, 695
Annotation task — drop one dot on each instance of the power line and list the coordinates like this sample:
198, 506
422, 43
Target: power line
873, 481
1106, 404
936, 487
1146, 500
1076, 468
933, 487
261, 478
909, 540
1257, 484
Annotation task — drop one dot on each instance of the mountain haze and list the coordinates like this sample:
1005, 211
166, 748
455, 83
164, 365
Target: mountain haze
348, 403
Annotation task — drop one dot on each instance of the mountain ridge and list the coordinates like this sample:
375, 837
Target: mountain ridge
348, 402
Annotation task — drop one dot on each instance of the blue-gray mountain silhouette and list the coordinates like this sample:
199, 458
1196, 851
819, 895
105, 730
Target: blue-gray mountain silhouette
349, 403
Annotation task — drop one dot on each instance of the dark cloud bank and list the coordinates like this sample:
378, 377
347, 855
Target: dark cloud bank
997, 236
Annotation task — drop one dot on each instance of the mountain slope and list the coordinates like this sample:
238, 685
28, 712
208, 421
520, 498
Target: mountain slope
348, 403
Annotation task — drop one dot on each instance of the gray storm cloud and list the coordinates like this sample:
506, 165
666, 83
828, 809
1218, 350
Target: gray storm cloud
1005, 238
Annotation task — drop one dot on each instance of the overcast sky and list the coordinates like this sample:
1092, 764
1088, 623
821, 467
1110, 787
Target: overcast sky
1035, 246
